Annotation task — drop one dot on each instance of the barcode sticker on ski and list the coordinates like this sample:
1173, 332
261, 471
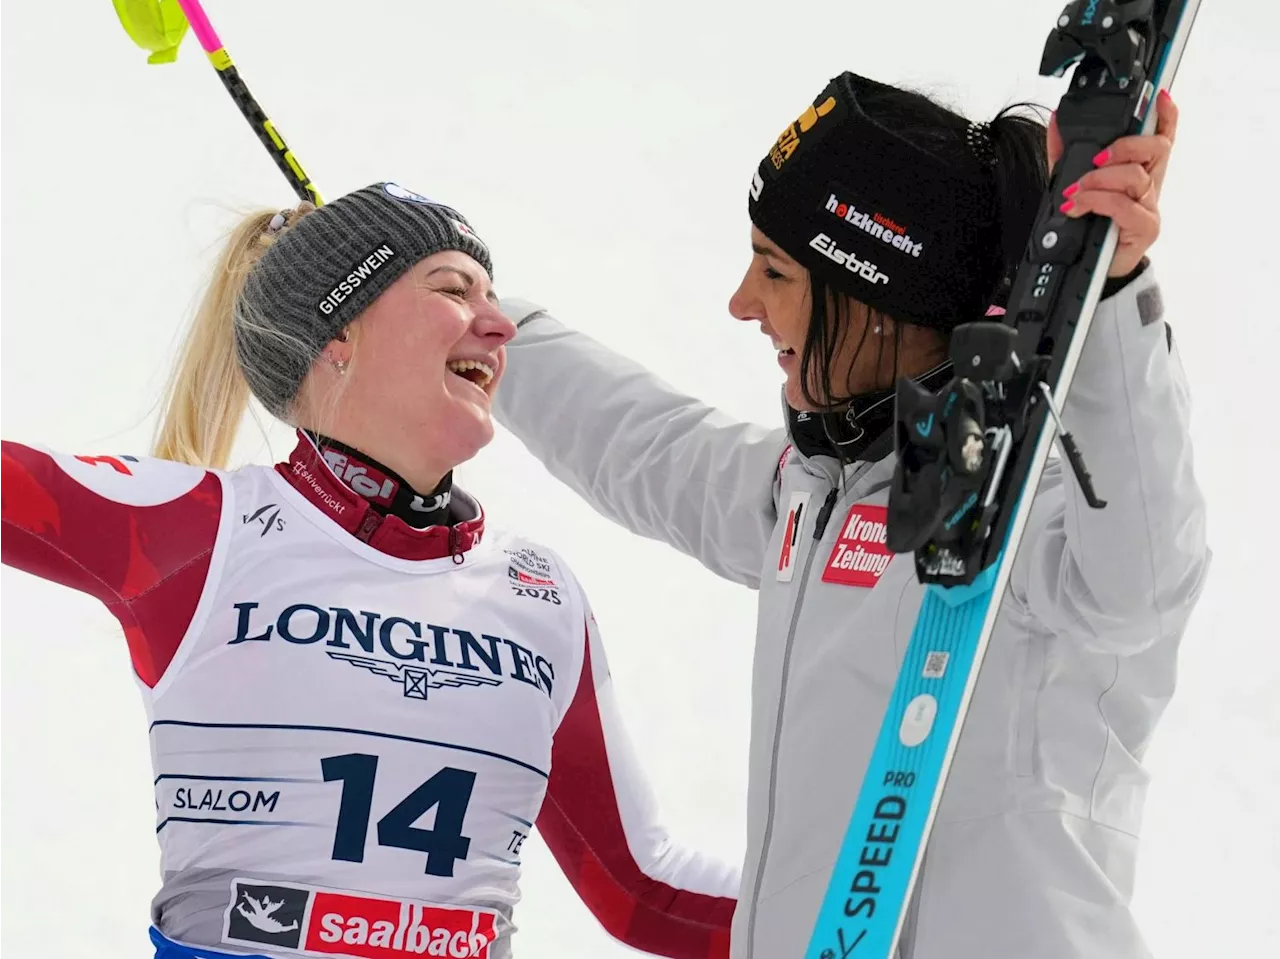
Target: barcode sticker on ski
935, 665
860, 556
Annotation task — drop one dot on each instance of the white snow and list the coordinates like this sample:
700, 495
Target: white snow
604, 151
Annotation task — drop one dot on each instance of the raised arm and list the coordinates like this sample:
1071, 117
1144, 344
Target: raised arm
646, 456
600, 820
136, 533
1127, 576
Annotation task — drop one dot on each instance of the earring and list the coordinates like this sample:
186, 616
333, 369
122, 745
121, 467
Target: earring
877, 328
339, 365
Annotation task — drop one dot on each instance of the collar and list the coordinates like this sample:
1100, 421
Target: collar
862, 431
385, 489
308, 472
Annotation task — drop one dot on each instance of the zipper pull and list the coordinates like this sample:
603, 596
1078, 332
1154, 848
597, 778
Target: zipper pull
824, 514
371, 521
455, 546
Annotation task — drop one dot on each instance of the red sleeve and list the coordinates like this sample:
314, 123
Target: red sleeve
135, 533
675, 902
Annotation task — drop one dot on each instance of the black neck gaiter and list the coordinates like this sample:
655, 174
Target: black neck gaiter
863, 430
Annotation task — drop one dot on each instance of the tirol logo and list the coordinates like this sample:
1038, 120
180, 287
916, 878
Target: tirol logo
361, 477
789, 139
449, 658
115, 462
268, 517
877, 225
321, 922
860, 556
130, 480
863, 268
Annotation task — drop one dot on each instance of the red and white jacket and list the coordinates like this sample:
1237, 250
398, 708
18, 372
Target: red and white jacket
355, 724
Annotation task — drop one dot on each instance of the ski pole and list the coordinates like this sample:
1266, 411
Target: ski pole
249, 107
155, 25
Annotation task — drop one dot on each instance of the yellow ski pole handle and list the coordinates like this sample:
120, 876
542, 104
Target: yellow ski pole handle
159, 26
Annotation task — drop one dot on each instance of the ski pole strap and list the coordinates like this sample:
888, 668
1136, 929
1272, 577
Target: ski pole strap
249, 107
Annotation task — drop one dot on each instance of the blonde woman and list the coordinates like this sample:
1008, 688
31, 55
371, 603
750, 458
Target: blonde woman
361, 698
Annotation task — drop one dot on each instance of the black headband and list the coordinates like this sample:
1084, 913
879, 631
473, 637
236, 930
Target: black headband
876, 217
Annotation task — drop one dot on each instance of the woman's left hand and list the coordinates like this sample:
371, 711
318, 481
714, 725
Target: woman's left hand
1125, 186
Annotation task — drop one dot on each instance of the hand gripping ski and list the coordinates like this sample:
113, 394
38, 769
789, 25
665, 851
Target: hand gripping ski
970, 459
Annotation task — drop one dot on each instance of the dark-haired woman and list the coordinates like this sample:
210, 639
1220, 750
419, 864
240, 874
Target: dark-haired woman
880, 221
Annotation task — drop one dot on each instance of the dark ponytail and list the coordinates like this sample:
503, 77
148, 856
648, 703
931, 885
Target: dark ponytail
1021, 174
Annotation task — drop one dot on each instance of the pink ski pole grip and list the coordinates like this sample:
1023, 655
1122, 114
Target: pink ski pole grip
200, 25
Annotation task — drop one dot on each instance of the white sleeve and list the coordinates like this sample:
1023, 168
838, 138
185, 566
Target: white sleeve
1124, 577
658, 462
600, 820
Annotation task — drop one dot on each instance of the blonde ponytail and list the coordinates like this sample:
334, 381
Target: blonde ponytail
207, 393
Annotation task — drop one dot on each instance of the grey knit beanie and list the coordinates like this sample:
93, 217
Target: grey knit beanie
322, 271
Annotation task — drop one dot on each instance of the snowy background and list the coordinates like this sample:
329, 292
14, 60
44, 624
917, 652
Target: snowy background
604, 152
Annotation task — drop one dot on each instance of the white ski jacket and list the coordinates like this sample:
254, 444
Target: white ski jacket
1033, 851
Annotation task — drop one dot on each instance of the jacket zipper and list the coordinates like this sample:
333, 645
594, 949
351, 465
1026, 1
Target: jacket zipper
824, 516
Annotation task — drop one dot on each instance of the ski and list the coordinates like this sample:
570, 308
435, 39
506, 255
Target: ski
970, 458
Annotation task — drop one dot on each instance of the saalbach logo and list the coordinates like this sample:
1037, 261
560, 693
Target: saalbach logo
324, 922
